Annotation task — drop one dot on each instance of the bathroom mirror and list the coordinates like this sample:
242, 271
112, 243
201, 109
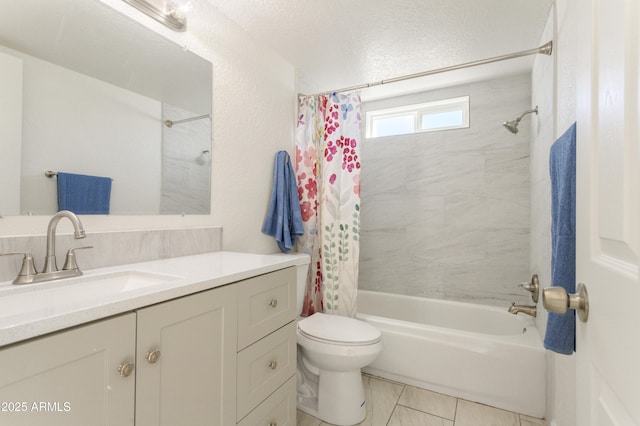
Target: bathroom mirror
87, 90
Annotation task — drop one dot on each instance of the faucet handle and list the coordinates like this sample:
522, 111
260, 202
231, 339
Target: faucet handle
533, 287
70, 262
27, 270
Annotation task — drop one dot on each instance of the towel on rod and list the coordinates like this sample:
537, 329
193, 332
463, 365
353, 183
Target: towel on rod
83, 194
561, 328
284, 220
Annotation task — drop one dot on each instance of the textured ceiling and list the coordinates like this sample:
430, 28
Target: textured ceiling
340, 43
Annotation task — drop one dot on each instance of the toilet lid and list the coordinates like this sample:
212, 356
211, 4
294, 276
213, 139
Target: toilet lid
338, 329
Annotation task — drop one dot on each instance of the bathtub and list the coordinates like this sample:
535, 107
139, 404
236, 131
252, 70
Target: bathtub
475, 352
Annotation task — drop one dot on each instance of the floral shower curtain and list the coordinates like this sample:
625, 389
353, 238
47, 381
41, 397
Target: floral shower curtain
328, 173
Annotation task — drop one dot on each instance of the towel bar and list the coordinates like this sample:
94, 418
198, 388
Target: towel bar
50, 174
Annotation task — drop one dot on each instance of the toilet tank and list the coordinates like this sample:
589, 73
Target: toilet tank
302, 267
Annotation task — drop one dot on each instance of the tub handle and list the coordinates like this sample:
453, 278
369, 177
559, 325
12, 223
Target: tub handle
533, 287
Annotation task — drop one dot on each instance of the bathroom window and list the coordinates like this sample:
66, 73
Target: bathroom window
444, 114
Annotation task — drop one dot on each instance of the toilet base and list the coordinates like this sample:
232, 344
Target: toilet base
340, 398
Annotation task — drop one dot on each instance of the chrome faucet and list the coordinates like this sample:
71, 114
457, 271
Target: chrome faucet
516, 309
28, 273
78, 232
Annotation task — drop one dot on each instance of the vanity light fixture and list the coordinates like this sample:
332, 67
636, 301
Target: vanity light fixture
167, 13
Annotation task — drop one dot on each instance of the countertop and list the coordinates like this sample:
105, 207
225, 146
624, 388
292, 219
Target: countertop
189, 274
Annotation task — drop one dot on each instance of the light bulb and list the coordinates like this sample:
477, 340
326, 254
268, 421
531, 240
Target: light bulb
180, 10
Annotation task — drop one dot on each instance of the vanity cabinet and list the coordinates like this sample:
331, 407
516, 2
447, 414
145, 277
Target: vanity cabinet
219, 357
71, 377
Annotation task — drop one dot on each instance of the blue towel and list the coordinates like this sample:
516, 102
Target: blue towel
561, 328
84, 194
284, 220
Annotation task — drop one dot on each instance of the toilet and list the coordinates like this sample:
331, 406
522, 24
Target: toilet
331, 351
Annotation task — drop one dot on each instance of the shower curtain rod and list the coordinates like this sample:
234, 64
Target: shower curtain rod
170, 123
545, 49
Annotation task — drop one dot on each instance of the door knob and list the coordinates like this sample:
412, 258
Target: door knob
556, 299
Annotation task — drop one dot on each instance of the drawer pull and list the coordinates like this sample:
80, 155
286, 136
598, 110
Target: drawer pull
153, 356
126, 368
273, 424
273, 303
273, 364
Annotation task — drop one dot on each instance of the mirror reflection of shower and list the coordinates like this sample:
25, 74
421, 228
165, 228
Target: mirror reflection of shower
512, 126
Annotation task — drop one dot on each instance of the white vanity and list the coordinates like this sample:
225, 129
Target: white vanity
205, 339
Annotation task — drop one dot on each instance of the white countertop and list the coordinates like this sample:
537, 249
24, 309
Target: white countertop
193, 274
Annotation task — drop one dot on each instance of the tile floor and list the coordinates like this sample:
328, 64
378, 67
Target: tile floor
395, 404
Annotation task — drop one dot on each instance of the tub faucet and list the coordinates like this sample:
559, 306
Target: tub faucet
516, 309
50, 259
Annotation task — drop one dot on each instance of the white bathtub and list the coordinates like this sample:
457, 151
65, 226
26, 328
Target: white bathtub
475, 352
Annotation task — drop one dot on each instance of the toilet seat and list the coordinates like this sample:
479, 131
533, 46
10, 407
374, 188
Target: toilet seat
338, 330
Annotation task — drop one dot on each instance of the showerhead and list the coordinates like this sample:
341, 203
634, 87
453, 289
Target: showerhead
512, 126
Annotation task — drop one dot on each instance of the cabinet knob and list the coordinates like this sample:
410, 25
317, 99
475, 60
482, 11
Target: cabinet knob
153, 356
273, 364
126, 368
273, 424
273, 303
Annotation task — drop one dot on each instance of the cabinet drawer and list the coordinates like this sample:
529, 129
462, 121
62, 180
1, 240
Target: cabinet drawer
264, 366
265, 303
279, 409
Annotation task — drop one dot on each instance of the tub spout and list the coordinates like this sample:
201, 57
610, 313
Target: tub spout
516, 309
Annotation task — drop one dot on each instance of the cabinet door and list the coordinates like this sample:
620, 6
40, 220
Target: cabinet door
70, 378
192, 382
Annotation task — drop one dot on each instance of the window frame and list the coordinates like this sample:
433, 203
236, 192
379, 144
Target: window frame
418, 111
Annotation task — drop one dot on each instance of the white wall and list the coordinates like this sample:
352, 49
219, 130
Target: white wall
10, 133
553, 89
253, 117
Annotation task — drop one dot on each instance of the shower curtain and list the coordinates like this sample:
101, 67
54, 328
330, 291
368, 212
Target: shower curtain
328, 174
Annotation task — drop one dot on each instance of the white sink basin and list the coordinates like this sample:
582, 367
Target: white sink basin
54, 296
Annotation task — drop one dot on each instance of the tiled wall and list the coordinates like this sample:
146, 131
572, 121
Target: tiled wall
186, 167
111, 248
446, 214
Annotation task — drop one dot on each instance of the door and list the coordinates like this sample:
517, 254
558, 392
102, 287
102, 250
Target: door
608, 212
186, 361
71, 377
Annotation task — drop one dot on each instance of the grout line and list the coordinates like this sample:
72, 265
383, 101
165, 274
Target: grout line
455, 413
425, 412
